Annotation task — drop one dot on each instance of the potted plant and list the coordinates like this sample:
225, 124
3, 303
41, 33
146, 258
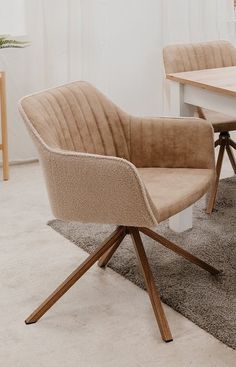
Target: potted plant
6, 41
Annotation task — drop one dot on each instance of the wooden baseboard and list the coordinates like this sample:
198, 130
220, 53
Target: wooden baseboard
21, 161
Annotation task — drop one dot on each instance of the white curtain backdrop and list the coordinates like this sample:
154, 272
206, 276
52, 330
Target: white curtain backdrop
191, 20
115, 44
53, 27
123, 43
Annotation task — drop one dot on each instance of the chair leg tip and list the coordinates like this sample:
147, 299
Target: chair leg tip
169, 340
209, 211
29, 322
219, 272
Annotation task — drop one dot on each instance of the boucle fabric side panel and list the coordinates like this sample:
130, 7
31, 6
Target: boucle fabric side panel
96, 189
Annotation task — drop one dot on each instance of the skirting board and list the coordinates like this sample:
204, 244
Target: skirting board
21, 161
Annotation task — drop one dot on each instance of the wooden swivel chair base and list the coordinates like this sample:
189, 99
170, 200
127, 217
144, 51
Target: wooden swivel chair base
104, 253
226, 144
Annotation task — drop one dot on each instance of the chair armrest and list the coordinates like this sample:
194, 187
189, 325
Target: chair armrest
95, 189
172, 142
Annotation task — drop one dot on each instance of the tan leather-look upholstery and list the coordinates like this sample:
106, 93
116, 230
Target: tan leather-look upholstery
102, 165
220, 121
198, 56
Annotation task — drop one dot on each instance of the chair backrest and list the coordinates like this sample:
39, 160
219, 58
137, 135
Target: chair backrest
198, 56
77, 117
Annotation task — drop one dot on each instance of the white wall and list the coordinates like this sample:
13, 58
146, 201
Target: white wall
115, 44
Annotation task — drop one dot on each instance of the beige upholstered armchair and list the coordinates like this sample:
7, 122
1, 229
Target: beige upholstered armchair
102, 165
207, 55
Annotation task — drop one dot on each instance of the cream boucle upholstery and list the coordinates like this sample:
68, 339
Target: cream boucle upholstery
203, 55
102, 165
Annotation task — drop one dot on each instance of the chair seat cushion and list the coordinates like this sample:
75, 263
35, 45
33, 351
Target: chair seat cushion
220, 121
173, 189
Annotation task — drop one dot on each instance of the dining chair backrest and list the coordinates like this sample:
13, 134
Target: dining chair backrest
198, 56
77, 117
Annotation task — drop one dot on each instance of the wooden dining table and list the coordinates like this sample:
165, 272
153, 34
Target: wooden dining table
213, 89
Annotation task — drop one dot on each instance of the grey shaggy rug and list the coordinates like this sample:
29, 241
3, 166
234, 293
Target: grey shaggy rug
208, 301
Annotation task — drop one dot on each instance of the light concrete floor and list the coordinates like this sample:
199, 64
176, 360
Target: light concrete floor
104, 320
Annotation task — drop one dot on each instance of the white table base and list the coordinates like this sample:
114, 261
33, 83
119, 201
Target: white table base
182, 221
182, 98
178, 108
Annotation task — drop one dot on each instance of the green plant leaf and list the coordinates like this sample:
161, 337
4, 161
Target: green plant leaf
6, 41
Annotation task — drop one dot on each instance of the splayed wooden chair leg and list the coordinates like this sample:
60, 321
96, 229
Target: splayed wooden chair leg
232, 143
231, 157
107, 256
213, 193
74, 276
151, 287
178, 250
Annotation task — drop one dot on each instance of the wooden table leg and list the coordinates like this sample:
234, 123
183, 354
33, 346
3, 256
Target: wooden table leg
4, 126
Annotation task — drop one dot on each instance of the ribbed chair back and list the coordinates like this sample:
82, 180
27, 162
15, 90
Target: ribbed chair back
198, 56
77, 117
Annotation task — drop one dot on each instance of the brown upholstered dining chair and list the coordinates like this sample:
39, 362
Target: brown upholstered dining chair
207, 55
102, 165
